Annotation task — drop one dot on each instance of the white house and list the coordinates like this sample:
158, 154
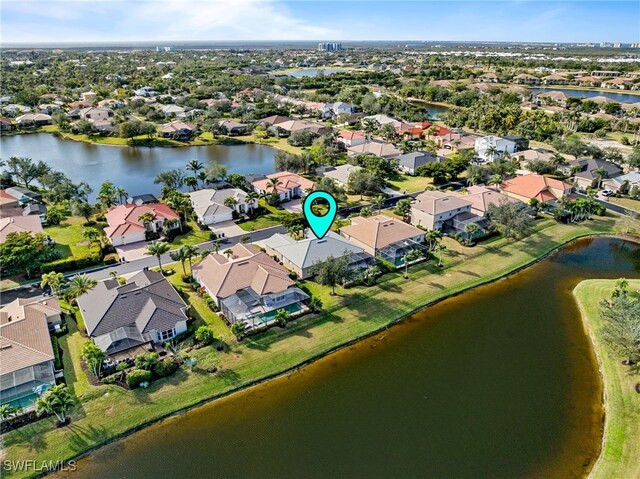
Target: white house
212, 206
485, 144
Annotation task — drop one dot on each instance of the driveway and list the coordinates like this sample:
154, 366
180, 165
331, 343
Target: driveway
293, 206
133, 251
227, 229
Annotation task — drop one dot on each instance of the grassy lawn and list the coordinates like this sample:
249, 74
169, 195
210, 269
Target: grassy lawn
195, 236
68, 236
266, 220
626, 203
106, 411
279, 143
410, 184
620, 457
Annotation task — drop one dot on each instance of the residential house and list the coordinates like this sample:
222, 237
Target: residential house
481, 198
588, 81
36, 209
384, 120
110, 103
285, 128
145, 91
23, 195
375, 147
526, 79
521, 142
488, 78
588, 176
340, 174
96, 114
127, 223
484, 146
178, 130
33, 119
274, 120
350, 138
173, 111
249, 286
542, 188
618, 83
14, 109
26, 352
301, 256
555, 79
447, 212
210, 208
19, 224
234, 128
383, 236
288, 185
127, 320
9, 205
332, 110
89, 96
6, 124
605, 73
558, 97
410, 162
143, 199
47, 307
623, 183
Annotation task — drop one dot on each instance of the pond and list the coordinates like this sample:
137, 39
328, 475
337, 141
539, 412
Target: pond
620, 97
133, 168
498, 382
314, 72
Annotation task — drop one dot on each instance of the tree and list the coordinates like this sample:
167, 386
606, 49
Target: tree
146, 361
56, 400
621, 326
54, 215
239, 328
216, 172
189, 252
204, 335
157, 249
122, 194
363, 182
237, 180
370, 126
108, 195
91, 235
8, 411
510, 219
378, 201
81, 284
332, 271
438, 250
24, 169
216, 245
93, 357
282, 317
53, 280
403, 208
315, 304
231, 202
178, 255
601, 173
228, 253
23, 253
432, 237
408, 257
171, 179
81, 208
471, 230
273, 184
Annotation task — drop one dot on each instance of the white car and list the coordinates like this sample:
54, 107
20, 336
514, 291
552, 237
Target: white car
607, 193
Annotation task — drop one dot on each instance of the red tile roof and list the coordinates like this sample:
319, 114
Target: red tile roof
535, 186
123, 219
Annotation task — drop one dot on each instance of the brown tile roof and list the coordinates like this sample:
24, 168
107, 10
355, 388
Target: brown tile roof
438, 202
19, 224
247, 268
380, 230
287, 180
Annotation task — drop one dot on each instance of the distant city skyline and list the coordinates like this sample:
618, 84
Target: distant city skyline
93, 21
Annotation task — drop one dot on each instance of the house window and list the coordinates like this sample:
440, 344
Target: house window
166, 335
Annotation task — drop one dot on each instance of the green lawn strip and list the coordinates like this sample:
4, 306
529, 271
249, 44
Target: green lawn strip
195, 236
111, 411
69, 239
620, 457
410, 184
626, 203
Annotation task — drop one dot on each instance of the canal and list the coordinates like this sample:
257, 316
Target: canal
498, 382
133, 168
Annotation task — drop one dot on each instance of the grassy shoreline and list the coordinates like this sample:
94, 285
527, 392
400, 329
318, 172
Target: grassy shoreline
621, 439
107, 413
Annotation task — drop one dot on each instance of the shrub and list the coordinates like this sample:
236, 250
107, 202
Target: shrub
123, 366
166, 367
137, 376
204, 334
111, 379
72, 263
110, 259
210, 302
57, 360
146, 361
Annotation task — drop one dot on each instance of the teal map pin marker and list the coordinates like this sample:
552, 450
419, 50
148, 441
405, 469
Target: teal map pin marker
320, 224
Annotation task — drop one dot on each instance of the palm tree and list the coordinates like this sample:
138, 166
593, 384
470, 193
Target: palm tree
408, 257
273, 183
145, 219
495, 180
191, 182
57, 400
251, 199
189, 252
558, 160
157, 249
601, 173
369, 126
91, 235
432, 237
195, 166
491, 152
81, 284
202, 176
53, 280
122, 194
231, 202
216, 245
471, 230
379, 202
178, 255
439, 249
228, 253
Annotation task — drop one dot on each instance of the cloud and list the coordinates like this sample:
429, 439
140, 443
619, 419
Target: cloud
169, 20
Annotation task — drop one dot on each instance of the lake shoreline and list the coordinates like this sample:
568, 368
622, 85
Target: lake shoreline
343, 345
606, 370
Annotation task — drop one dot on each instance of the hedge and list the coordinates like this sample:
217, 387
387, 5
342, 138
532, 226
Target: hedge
137, 376
72, 263
166, 367
57, 360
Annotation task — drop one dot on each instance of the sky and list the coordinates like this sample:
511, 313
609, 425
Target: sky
52, 21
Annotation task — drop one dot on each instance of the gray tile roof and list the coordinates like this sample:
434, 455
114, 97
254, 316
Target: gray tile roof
147, 301
416, 159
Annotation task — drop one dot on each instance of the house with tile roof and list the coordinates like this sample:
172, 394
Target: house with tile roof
19, 224
481, 198
301, 256
542, 188
410, 162
588, 175
289, 185
380, 235
435, 209
26, 352
127, 320
350, 138
340, 174
178, 130
210, 208
249, 286
128, 223
375, 147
